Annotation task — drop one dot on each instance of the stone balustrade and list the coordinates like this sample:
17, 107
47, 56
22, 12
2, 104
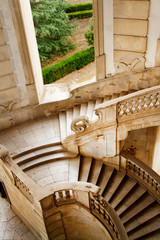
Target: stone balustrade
139, 104
142, 173
106, 214
65, 196
22, 187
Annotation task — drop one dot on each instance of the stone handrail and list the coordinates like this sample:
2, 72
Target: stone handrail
22, 187
75, 186
25, 184
151, 90
106, 214
134, 103
143, 174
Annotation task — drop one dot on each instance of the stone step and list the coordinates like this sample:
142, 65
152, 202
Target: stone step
54, 225
123, 93
55, 217
113, 184
138, 206
154, 235
147, 228
37, 153
35, 148
85, 165
133, 196
115, 95
104, 177
50, 212
149, 213
95, 171
124, 188
60, 237
56, 233
46, 159
107, 98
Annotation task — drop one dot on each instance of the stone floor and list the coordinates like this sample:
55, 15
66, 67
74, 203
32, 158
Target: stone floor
11, 227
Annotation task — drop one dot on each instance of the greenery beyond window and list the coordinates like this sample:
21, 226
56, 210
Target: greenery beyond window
81, 14
89, 34
52, 26
79, 7
70, 64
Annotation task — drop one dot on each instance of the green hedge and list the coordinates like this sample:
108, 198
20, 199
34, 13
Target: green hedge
79, 7
80, 15
70, 64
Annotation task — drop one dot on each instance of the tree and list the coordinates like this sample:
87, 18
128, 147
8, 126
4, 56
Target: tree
89, 34
52, 26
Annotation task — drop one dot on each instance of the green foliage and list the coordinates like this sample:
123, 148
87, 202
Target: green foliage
79, 7
80, 15
70, 64
89, 34
52, 26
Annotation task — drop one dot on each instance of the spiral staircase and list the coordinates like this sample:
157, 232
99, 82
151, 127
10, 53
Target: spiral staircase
135, 205
64, 159
131, 193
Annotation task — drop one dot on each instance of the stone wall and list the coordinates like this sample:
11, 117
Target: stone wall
140, 143
18, 76
29, 213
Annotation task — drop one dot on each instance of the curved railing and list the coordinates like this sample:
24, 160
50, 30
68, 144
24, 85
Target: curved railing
106, 214
143, 174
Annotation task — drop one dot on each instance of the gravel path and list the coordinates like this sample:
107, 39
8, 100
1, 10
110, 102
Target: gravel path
82, 75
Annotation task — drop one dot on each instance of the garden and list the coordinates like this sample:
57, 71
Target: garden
64, 33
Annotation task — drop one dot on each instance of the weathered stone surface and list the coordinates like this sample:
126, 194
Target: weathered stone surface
11, 227
129, 27
131, 9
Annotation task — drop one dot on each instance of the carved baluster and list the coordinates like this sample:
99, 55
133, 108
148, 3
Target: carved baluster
139, 171
143, 175
71, 193
64, 195
57, 196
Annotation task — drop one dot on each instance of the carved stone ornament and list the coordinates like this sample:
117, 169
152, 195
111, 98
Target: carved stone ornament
79, 124
123, 66
7, 107
4, 154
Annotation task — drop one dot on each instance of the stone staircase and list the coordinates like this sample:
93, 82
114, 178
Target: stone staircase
137, 207
44, 159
